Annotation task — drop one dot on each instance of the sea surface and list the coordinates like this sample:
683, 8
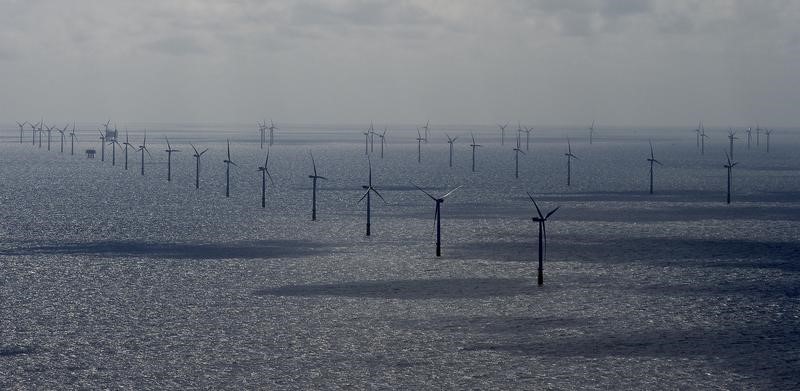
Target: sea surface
111, 279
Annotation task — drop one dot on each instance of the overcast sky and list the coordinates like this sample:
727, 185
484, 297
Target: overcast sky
621, 62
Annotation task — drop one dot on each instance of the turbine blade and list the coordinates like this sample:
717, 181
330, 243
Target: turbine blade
363, 196
451, 191
551, 212
539, 211
426, 193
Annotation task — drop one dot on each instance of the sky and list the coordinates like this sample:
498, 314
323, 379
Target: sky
541, 62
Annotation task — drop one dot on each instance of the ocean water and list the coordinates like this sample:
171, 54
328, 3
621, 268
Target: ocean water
111, 279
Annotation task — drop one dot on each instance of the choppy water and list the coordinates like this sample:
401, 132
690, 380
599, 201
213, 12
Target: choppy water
110, 279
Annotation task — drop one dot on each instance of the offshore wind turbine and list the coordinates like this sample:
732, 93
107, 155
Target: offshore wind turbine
591, 132
33, 132
438, 216
371, 137
41, 132
62, 136
314, 178
502, 133
112, 143
768, 132
21, 129
569, 156
261, 129
703, 138
749, 132
474, 146
729, 166
264, 174
271, 128
49, 134
127, 145
72, 137
169, 152
758, 135
143, 149
366, 141
197, 156
652, 160
228, 163
731, 137
528, 138
103, 147
383, 139
697, 133
426, 127
366, 195
419, 146
517, 151
451, 141
542, 219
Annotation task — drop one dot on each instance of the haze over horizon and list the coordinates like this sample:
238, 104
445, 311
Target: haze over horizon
620, 62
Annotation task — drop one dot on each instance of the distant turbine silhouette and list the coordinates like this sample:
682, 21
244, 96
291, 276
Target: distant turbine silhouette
228, 163
366, 141
72, 137
262, 128
197, 156
749, 137
426, 127
652, 160
528, 138
314, 188
143, 149
473, 145
419, 146
383, 140
768, 132
729, 166
264, 174
103, 146
33, 132
542, 219
371, 137
127, 145
731, 137
451, 141
169, 152
438, 216
517, 151
703, 138
366, 195
272, 129
591, 132
21, 129
758, 135
569, 156
502, 133
112, 143
49, 135
62, 131
697, 133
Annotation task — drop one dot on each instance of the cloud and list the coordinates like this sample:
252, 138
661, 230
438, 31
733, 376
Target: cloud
177, 46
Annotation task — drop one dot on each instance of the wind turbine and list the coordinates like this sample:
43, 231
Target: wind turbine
438, 216
197, 156
49, 135
143, 149
169, 152
517, 151
41, 132
542, 219
127, 145
371, 137
569, 156
419, 146
697, 133
426, 127
729, 166
591, 132
21, 128
703, 138
103, 147
502, 133
749, 132
451, 141
731, 137
473, 145
366, 195
652, 160
767, 132
262, 128
314, 187
528, 138
228, 163
366, 141
271, 128
62, 136
72, 137
114, 150
33, 132
758, 135
264, 174
383, 140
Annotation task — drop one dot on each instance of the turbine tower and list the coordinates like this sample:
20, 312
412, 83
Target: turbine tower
143, 149
420, 139
652, 160
264, 174
542, 219
72, 137
438, 216
502, 133
474, 146
127, 145
451, 141
169, 152
228, 163
197, 156
366, 195
569, 156
314, 188
729, 166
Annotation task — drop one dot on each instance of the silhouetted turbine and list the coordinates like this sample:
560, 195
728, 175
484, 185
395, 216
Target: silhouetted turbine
749, 137
697, 133
49, 135
112, 143
419, 146
271, 128
21, 129
731, 137
569, 156
103, 146
197, 156
652, 160
729, 166
768, 132
438, 216
426, 127
314, 188
542, 219
703, 138
451, 141
591, 132
143, 149
72, 137
264, 174
474, 146
528, 138
383, 140
62, 131
33, 132
758, 135
502, 133
228, 163
517, 151
366, 195
169, 152
127, 145
262, 128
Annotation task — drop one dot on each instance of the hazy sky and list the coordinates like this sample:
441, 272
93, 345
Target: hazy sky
622, 62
